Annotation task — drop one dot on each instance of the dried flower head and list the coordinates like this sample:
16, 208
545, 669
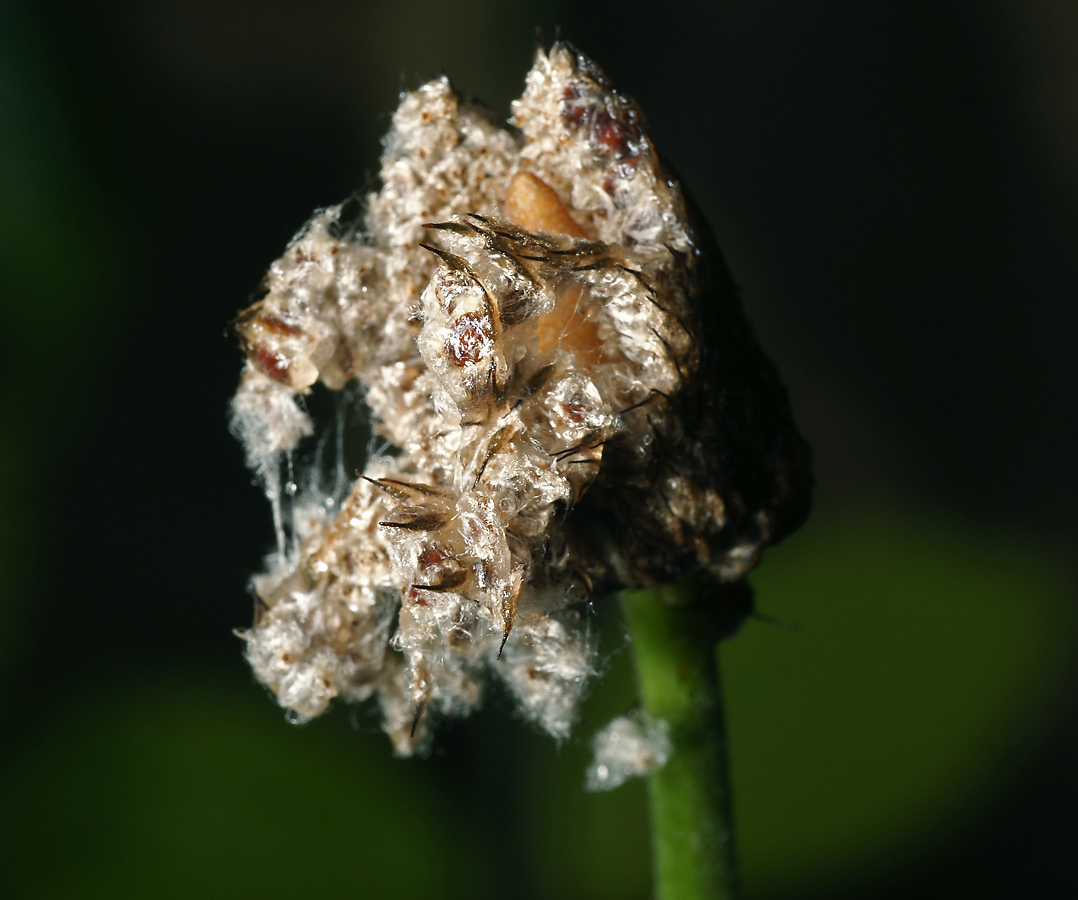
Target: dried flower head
570, 398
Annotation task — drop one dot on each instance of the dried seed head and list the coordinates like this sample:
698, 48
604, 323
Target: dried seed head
574, 402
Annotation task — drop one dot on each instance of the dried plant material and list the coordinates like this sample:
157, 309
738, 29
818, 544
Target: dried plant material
629, 747
570, 398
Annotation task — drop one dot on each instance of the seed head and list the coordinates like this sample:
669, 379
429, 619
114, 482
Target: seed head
569, 397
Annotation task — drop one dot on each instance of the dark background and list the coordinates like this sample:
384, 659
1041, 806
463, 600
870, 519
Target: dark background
896, 187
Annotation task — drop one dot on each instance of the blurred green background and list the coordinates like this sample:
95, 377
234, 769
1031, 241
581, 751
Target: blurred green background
895, 186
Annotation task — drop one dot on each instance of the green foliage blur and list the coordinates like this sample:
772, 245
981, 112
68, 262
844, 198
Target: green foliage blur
892, 187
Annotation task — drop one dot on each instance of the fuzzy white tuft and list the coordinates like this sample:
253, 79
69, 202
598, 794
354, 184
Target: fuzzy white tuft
628, 747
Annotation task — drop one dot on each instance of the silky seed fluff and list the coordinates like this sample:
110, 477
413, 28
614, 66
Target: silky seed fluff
566, 398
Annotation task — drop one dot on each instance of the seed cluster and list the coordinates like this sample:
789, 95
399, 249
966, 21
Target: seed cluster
570, 399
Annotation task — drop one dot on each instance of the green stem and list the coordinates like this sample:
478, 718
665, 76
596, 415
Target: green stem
691, 824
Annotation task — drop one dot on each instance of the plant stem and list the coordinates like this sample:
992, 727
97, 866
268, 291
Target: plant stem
692, 835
